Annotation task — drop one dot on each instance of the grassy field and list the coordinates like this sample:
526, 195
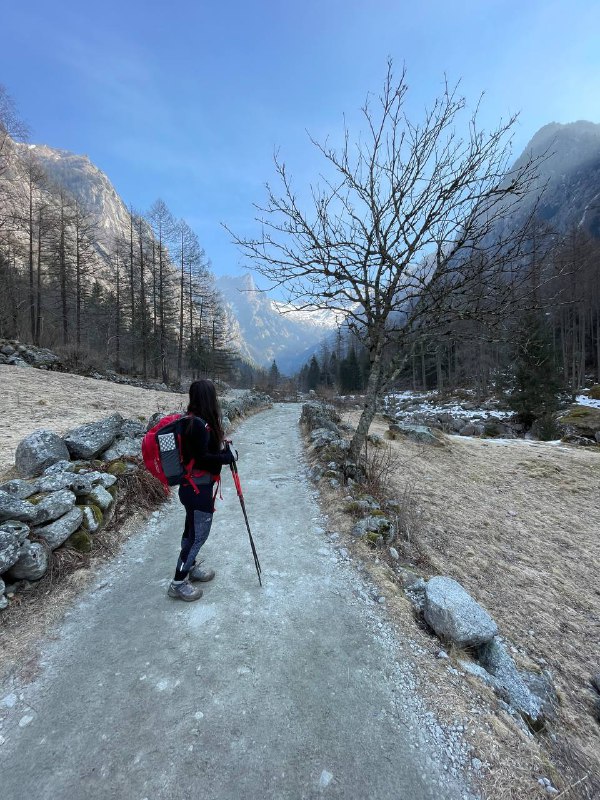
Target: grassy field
31, 399
517, 523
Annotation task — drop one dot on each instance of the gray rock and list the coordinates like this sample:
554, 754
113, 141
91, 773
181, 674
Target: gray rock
455, 615
495, 659
371, 525
32, 563
316, 473
596, 682
472, 429
55, 505
56, 533
55, 482
3, 602
89, 440
132, 428
100, 497
394, 553
12, 536
8, 350
541, 685
417, 433
106, 479
13, 508
19, 489
63, 466
84, 482
123, 447
38, 451
89, 520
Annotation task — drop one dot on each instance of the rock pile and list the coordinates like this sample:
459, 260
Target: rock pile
67, 486
21, 355
418, 418
66, 489
459, 620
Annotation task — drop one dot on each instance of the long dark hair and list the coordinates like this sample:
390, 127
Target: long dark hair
203, 403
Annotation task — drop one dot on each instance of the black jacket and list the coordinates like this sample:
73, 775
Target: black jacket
202, 446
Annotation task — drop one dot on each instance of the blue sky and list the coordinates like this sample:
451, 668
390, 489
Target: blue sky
188, 100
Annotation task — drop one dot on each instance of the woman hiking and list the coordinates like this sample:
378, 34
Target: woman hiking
202, 441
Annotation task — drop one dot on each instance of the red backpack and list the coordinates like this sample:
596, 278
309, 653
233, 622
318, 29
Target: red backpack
163, 457
161, 451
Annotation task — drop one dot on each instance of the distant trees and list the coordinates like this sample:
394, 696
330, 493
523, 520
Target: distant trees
145, 303
403, 228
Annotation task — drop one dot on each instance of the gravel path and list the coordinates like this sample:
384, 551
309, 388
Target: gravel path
296, 690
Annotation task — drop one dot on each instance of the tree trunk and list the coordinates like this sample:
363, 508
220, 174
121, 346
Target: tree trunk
31, 282
132, 289
38, 316
181, 305
143, 306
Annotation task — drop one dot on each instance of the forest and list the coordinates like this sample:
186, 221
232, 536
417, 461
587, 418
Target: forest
142, 302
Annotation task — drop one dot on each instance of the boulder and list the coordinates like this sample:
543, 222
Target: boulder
100, 497
89, 440
371, 524
132, 429
495, 659
32, 563
54, 505
454, 615
55, 482
13, 508
19, 489
418, 433
472, 429
64, 466
92, 517
123, 446
12, 536
59, 531
38, 451
581, 421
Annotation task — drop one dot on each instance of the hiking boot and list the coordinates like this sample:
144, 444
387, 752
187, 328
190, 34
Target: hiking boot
183, 590
199, 574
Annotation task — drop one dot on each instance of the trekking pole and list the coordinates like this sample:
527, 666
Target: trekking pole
238, 486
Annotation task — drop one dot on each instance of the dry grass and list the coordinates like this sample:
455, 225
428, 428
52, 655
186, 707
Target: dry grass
517, 525
32, 399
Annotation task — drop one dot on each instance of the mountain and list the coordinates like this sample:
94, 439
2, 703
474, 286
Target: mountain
261, 328
570, 172
270, 329
88, 184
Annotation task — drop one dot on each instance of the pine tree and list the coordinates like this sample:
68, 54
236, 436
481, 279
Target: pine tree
274, 376
537, 381
313, 375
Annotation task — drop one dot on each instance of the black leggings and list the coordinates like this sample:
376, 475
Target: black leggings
198, 521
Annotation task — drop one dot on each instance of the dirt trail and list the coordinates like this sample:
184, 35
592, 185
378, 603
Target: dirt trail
32, 398
517, 524
297, 690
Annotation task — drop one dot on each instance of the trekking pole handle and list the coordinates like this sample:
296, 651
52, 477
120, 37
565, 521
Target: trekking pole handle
228, 445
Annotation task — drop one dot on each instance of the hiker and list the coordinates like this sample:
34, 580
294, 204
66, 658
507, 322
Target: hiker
203, 441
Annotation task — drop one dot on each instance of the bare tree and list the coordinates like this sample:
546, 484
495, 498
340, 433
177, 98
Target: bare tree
404, 224
163, 226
